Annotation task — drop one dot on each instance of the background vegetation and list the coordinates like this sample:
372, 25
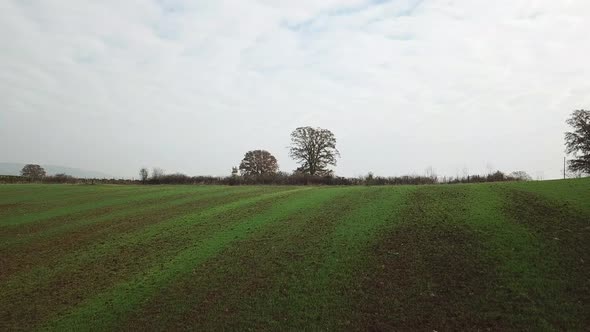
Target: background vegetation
314, 149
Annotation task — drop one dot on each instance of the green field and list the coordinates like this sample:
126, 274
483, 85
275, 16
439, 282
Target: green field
510, 256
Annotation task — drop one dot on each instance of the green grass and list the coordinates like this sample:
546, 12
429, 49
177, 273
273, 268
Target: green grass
508, 256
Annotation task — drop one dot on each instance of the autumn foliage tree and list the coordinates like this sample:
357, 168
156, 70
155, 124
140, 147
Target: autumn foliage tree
577, 141
314, 149
33, 172
258, 162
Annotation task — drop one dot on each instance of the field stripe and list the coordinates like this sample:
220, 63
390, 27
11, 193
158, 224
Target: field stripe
249, 269
45, 251
425, 272
89, 204
109, 308
501, 256
323, 293
138, 205
40, 200
527, 287
575, 193
23, 233
54, 194
556, 283
120, 198
120, 257
157, 228
315, 296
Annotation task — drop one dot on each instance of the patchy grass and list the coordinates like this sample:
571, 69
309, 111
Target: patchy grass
512, 256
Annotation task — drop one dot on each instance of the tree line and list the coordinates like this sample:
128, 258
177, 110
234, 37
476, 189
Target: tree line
280, 178
314, 150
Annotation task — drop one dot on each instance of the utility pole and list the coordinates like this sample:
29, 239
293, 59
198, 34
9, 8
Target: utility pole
564, 168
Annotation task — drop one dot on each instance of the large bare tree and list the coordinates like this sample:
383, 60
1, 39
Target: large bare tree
258, 162
33, 172
577, 141
314, 149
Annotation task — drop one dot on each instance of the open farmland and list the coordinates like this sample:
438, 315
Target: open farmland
507, 256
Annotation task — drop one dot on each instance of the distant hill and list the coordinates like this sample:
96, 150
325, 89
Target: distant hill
14, 169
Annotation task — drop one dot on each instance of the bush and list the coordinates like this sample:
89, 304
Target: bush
280, 178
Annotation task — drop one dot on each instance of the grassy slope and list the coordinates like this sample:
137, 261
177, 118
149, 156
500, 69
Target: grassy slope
501, 256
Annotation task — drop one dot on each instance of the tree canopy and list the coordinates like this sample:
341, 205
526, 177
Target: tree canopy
314, 149
143, 174
258, 162
33, 172
577, 141
521, 176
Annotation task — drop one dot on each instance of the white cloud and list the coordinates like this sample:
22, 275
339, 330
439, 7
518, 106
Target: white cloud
190, 86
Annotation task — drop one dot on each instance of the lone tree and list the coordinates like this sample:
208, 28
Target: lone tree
143, 174
577, 142
258, 162
314, 149
33, 172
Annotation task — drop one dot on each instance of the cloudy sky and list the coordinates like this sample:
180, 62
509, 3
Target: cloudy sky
190, 86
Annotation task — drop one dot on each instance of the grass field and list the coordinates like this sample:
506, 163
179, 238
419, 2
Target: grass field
510, 256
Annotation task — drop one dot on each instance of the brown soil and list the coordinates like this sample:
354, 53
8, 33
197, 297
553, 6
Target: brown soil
428, 273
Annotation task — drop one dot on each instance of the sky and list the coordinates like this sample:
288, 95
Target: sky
190, 86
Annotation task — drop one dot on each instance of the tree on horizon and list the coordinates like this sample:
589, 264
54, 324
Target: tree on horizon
33, 172
577, 141
314, 149
258, 162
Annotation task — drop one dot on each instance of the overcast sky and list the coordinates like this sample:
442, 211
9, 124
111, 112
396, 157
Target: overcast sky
190, 86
